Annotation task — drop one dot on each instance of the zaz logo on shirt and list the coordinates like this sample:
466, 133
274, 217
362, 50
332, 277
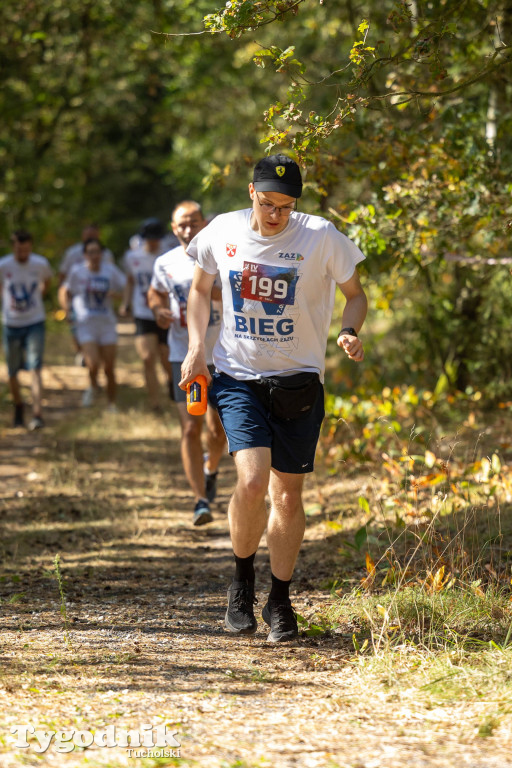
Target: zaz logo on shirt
230, 249
291, 256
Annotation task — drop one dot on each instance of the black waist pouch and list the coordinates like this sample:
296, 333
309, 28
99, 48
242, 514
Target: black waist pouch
288, 397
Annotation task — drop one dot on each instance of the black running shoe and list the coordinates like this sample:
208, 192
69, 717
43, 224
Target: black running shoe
240, 617
210, 482
202, 514
280, 617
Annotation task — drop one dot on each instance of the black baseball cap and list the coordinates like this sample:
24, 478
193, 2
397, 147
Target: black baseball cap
152, 229
278, 173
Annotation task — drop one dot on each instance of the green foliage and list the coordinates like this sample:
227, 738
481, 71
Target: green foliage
312, 628
453, 618
240, 16
106, 118
401, 118
71, 80
398, 59
440, 525
430, 204
444, 222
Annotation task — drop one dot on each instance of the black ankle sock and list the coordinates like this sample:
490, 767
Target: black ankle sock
244, 568
280, 589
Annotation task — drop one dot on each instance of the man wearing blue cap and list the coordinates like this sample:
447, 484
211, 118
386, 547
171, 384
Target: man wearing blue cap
150, 340
279, 269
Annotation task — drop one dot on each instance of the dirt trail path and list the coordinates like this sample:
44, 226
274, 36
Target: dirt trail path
142, 638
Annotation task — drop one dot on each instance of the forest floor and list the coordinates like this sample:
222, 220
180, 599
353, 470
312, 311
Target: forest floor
132, 638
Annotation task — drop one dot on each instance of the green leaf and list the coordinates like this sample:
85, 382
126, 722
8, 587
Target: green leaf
16, 597
314, 630
361, 537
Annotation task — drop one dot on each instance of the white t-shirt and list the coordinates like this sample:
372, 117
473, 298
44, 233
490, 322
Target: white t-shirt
136, 243
75, 255
139, 264
173, 274
277, 292
22, 300
90, 290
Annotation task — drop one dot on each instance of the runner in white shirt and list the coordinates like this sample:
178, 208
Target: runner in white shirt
150, 340
135, 243
279, 270
88, 291
75, 255
167, 298
25, 278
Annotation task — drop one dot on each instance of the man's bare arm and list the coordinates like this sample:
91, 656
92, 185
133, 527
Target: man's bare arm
158, 302
127, 295
354, 315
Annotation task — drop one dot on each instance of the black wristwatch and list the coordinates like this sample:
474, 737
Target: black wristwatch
349, 331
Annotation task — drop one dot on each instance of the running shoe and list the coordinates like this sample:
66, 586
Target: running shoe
202, 514
35, 423
280, 617
88, 397
240, 619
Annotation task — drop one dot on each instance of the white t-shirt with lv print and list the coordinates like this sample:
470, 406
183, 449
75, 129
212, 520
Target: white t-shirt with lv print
277, 292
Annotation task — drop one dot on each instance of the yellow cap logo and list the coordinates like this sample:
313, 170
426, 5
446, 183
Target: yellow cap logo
280, 170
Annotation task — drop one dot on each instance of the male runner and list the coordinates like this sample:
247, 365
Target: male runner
279, 269
167, 297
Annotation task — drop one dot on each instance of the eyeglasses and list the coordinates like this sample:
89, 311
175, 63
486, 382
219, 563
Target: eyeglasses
285, 210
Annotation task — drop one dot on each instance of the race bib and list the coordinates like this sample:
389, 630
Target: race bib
274, 285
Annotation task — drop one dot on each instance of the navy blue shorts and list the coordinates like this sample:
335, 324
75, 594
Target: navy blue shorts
249, 424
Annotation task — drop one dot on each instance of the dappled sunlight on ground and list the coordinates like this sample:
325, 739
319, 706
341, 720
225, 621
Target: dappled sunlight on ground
133, 634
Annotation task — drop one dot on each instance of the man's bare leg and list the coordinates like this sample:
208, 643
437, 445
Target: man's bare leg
37, 392
247, 511
286, 523
192, 451
147, 349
